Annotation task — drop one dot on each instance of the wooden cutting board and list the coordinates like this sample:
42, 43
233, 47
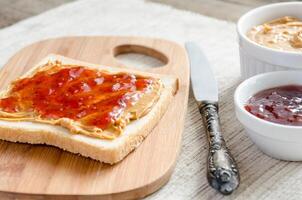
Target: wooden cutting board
35, 171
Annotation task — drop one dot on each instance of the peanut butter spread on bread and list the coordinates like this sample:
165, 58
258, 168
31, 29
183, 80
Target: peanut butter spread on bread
86, 101
283, 34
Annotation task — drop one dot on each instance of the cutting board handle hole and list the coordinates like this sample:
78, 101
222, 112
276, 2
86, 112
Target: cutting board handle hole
139, 56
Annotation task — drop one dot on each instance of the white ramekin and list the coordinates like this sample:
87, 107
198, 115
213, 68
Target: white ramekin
279, 141
256, 59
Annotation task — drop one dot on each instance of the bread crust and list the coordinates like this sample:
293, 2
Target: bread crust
107, 151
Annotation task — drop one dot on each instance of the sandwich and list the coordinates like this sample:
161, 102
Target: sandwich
96, 111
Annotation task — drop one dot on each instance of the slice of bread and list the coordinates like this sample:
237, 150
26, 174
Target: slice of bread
104, 150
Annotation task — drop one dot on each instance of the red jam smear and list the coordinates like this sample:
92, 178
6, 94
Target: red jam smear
92, 97
282, 105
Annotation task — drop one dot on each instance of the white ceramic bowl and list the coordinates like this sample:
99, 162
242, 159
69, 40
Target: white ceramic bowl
279, 141
256, 59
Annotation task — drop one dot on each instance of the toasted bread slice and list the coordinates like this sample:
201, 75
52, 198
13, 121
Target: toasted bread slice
104, 150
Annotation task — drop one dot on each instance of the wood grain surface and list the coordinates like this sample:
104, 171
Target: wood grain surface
16, 10
229, 10
49, 172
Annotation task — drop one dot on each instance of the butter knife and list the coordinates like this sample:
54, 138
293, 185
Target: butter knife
222, 171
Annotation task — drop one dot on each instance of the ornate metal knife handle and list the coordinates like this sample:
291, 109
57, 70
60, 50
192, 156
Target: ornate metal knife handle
222, 170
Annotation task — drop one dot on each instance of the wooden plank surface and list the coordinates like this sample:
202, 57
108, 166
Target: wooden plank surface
12, 11
229, 10
42, 170
16, 10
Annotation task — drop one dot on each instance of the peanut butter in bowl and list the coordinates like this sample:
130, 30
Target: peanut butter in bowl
283, 34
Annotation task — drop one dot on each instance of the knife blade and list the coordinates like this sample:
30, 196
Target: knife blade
203, 81
222, 171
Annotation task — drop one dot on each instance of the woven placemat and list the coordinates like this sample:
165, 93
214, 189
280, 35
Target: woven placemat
261, 176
